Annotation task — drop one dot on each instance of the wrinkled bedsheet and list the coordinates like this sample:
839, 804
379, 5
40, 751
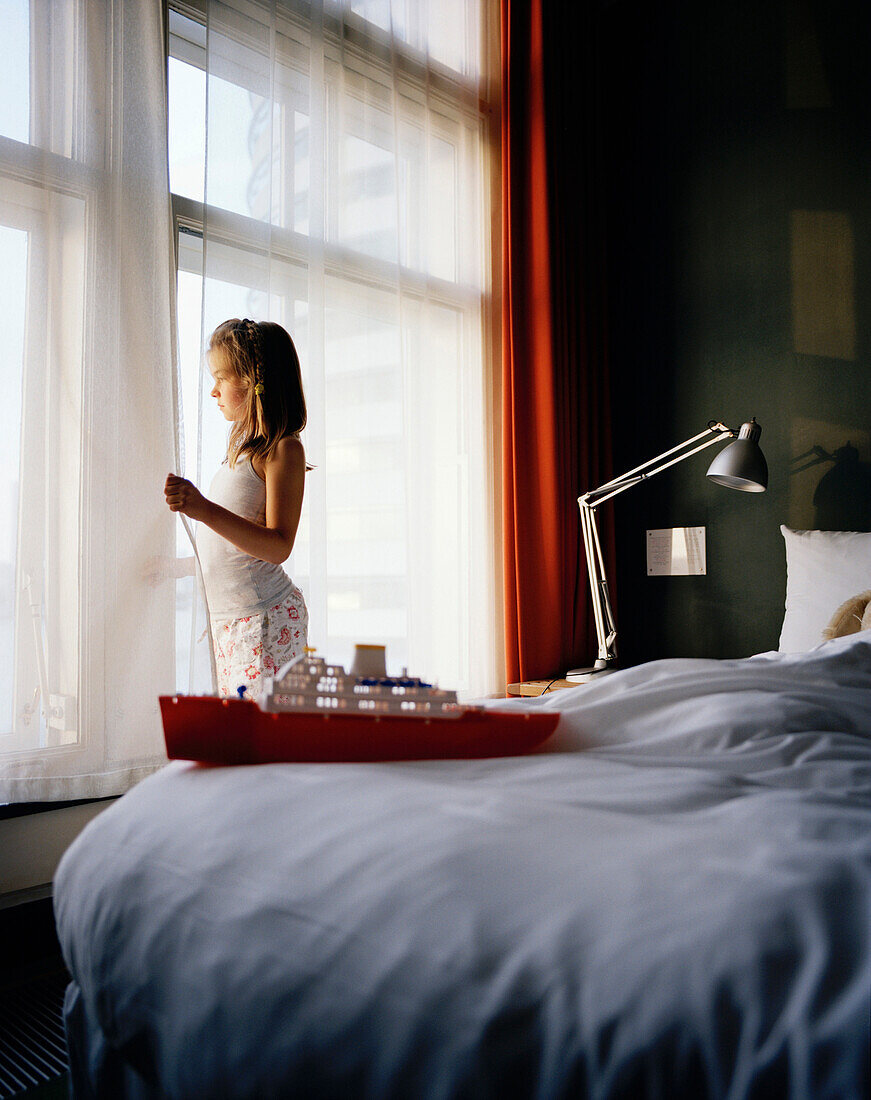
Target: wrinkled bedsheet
671, 898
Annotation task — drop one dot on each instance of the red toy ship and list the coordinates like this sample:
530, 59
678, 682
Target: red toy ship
316, 712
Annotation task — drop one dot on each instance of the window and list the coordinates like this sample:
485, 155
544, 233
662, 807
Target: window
86, 428
339, 188
43, 205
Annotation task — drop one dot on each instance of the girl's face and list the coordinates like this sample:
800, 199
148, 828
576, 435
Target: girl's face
227, 390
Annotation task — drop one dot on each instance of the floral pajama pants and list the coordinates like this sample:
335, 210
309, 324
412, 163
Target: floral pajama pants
257, 645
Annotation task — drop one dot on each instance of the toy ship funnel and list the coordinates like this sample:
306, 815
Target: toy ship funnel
369, 662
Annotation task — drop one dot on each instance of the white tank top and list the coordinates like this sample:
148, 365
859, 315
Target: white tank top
236, 583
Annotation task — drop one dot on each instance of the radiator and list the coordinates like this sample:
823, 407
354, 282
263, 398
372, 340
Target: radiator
32, 1044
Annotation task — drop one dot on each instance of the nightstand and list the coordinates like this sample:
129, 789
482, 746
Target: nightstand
537, 687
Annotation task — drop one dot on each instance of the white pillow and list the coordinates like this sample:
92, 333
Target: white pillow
823, 569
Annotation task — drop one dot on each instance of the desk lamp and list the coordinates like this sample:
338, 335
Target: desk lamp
741, 465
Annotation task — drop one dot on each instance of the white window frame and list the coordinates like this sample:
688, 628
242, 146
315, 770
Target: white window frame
459, 107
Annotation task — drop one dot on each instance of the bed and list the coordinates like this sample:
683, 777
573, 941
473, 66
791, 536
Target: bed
672, 897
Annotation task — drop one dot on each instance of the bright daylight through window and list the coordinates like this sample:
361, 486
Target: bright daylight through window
14, 124
331, 175
328, 170
40, 417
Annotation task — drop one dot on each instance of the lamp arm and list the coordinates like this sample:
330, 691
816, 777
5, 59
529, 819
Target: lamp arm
620, 485
603, 615
712, 426
606, 630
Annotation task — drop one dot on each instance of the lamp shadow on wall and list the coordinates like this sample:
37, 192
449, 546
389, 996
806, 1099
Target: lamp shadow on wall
837, 500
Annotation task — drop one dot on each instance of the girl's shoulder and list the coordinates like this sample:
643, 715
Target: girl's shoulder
288, 451
288, 454
289, 445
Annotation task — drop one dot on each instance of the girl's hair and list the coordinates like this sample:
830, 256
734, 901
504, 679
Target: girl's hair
262, 357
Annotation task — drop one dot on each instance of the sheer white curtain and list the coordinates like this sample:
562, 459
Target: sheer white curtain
88, 420
338, 184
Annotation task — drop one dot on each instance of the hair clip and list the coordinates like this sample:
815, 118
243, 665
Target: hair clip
258, 389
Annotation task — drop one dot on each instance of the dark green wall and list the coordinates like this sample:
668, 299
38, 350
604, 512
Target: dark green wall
738, 154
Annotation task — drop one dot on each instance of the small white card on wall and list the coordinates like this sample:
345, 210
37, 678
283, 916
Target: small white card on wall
676, 552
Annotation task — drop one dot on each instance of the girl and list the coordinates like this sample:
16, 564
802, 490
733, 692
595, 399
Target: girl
257, 614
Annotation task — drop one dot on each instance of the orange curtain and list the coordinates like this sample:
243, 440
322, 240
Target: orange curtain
556, 410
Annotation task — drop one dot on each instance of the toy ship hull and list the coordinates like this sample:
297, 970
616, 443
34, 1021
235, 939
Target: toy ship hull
212, 730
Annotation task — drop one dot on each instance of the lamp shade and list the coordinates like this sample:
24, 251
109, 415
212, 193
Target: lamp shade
742, 464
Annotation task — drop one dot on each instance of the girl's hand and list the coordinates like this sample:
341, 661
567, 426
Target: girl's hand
183, 496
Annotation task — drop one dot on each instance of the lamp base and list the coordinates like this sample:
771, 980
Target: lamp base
582, 675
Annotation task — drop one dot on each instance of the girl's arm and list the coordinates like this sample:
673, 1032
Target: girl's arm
284, 475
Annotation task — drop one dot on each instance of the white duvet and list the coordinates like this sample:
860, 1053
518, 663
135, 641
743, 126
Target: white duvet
671, 898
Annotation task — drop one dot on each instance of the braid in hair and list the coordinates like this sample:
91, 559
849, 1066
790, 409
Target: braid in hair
250, 337
255, 339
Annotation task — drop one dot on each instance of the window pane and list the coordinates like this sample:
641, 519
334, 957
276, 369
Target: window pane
428, 203
450, 38
441, 220
187, 129
190, 615
367, 201
40, 88
40, 471
13, 271
444, 29
15, 70
236, 159
245, 166
365, 491
301, 170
